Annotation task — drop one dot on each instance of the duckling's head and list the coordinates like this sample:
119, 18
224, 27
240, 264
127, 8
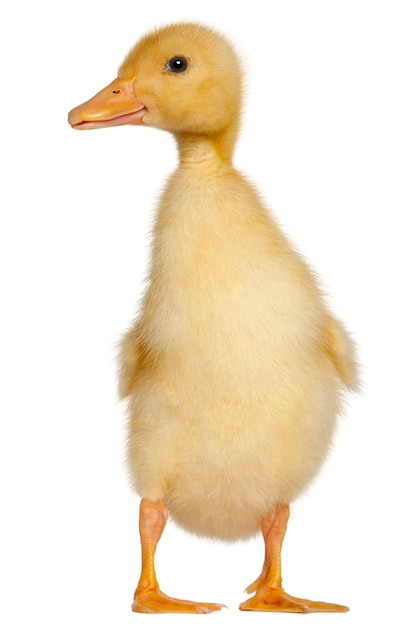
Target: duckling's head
184, 78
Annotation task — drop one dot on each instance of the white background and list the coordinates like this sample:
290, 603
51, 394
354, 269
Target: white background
327, 137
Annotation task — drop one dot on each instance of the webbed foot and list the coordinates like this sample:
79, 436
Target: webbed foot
278, 600
154, 601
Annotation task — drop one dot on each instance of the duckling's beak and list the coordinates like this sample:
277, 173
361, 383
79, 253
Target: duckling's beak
115, 105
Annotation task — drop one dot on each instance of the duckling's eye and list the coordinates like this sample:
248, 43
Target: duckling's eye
177, 65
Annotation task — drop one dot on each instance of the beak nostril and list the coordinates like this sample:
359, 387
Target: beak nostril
116, 91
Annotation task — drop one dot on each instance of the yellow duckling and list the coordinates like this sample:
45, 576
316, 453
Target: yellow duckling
234, 369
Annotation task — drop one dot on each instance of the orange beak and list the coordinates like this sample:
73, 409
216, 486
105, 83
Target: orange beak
115, 105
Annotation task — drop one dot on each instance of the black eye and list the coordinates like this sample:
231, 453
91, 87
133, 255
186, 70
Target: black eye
176, 65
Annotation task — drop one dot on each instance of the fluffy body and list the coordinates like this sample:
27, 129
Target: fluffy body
234, 368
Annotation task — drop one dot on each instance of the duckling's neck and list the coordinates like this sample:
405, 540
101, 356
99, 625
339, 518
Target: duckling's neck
200, 150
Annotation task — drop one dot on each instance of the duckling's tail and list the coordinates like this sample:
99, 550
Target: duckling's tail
341, 351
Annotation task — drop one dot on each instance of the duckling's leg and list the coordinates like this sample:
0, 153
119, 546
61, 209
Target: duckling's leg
269, 594
148, 597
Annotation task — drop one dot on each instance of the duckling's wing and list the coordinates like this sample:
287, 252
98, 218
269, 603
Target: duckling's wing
340, 350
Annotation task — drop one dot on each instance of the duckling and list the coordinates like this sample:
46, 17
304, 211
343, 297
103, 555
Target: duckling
234, 370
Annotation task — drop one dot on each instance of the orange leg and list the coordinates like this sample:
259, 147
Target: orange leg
148, 597
269, 594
